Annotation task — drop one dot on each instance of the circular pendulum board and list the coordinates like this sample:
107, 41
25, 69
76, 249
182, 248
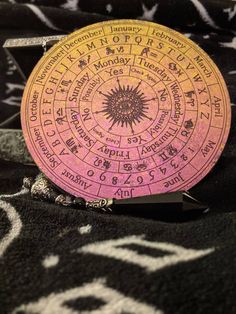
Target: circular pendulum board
125, 108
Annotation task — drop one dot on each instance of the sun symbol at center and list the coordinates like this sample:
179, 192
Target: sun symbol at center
125, 105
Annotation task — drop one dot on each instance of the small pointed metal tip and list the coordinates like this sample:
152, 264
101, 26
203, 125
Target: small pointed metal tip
192, 204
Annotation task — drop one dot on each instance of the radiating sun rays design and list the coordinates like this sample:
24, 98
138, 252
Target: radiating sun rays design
125, 106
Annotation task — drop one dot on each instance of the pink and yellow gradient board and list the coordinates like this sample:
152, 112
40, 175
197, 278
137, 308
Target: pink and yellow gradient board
125, 108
